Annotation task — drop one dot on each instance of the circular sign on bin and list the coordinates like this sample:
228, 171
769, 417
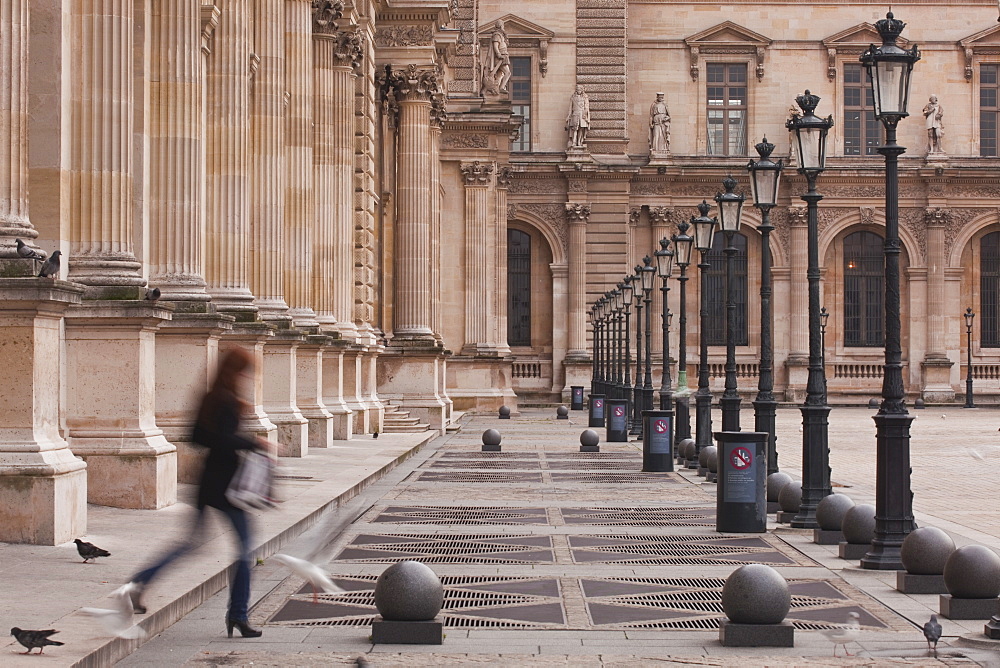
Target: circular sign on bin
660, 426
619, 411
742, 458
598, 403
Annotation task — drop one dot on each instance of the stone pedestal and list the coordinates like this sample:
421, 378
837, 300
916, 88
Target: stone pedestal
911, 583
854, 551
578, 372
937, 380
590, 448
824, 537
187, 357
386, 632
333, 391
251, 336
490, 447
756, 635
798, 374
43, 486
353, 389
783, 516
480, 383
110, 420
280, 392
309, 390
968, 608
369, 378
409, 377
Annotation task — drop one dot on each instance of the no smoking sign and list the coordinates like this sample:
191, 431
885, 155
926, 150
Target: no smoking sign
660, 426
741, 458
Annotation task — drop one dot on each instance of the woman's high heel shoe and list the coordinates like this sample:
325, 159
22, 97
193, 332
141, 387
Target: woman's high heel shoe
246, 630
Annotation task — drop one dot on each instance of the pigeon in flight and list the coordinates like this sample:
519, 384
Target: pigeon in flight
50, 268
845, 634
89, 551
311, 573
33, 639
23, 250
118, 621
932, 631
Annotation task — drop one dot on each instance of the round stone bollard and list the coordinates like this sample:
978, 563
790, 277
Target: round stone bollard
562, 413
831, 510
790, 498
873, 403
713, 459
491, 440
919, 403
690, 448
775, 482
925, 551
973, 571
859, 524
756, 599
589, 441
504, 413
409, 592
705, 462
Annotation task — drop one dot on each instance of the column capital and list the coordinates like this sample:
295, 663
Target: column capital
660, 215
634, 215
504, 175
414, 83
937, 217
477, 173
798, 216
325, 14
577, 213
347, 46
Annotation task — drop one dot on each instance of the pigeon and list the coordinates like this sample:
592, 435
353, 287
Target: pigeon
33, 639
311, 573
50, 268
932, 631
845, 634
375, 435
89, 551
152, 294
23, 250
119, 620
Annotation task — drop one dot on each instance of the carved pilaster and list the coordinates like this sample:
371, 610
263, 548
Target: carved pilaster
477, 173
577, 215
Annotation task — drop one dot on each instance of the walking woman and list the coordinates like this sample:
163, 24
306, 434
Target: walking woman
217, 428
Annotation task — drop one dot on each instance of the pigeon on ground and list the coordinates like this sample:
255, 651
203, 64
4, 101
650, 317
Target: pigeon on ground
119, 620
33, 639
311, 573
89, 551
50, 268
375, 435
932, 631
23, 250
845, 634
152, 294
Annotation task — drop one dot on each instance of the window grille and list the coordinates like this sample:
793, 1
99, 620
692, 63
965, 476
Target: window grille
715, 325
864, 290
518, 288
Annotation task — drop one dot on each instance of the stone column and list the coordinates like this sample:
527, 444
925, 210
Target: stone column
438, 116
353, 389
227, 133
43, 486
936, 364
101, 150
659, 219
797, 361
369, 387
577, 216
280, 392
335, 369
176, 153
480, 316
560, 304
267, 168
335, 56
300, 212
500, 262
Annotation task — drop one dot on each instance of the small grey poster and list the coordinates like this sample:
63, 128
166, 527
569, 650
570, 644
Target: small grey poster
617, 420
598, 408
660, 435
741, 473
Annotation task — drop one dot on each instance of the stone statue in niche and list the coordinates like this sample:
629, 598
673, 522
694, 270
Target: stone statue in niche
659, 128
933, 121
793, 112
578, 119
496, 63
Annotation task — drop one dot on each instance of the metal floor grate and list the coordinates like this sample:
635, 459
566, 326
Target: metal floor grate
461, 515
669, 516
529, 464
472, 454
614, 478
449, 549
583, 465
611, 454
475, 476
678, 550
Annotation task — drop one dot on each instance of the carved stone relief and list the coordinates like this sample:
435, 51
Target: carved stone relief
958, 219
477, 173
538, 186
388, 36
914, 221
660, 215
577, 213
553, 214
465, 141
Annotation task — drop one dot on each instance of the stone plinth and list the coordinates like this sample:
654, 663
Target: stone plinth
280, 392
968, 608
481, 384
785, 516
756, 635
369, 384
110, 419
333, 391
825, 537
409, 377
309, 390
43, 486
387, 632
251, 336
911, 583
853, 551
353, 368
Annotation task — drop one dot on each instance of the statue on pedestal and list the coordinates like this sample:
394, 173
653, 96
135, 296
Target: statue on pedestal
659, 128
496, 63
933, 119
578, 119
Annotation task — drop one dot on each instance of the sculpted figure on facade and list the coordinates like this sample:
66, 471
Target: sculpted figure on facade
933, 121
659, 127
578, 119
496, 63
793, 112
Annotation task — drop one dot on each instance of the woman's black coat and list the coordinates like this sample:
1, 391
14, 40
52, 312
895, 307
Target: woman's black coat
215, 429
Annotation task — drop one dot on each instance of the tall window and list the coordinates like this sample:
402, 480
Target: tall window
520, 97
989, 82
862, 131
727, 108
864, 290
518, 288
715, 326
989, 290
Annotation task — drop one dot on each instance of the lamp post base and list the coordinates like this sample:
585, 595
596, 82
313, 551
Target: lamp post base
893, 499
815, 464
764, 420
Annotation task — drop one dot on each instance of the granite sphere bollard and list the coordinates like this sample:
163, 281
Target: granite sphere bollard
713, 459
973, 571
756, 594
790, 497
775, 482
925, 551
703, 457
919, 403
690, 448
504, 413
491, 437
873, 403
831, 510
589, 441
562, 413
859, 524
409, 592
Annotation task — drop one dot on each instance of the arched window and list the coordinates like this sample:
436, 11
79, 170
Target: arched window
518, 288
989, 290
864, 290
715, 326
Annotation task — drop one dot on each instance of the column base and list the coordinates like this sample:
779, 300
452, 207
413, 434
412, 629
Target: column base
43, 508
280, 393
410, 377
798, 376
480, 384
937, 380
353, 370
251, 335
143, 481
309, 391
341, 416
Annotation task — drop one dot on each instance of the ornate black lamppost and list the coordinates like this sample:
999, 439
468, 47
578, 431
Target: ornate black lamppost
625, 304
889, 69
647, 276
635, 395
824, 317
604, 329
969, 317
616, 299
683, 243
592, 320
664, 268
730, 210
704, 230
765, 176
810, 138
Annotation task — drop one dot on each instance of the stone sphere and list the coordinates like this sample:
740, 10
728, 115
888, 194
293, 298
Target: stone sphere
589, 437
562, 411
790, 497
713, 459
491, 437
919, 403
408, 592
859, 524
831, 510
873, 403
756, 594
925, 551
504, 411
688, 448
775, 482
973, 571
703, 456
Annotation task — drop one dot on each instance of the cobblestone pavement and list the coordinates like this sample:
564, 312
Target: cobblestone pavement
551, 557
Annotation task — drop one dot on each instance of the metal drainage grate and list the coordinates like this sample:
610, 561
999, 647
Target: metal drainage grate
472, 454
656, 517
450, 549
616, 478
489, 464
569, 454
293, 477
476, 476
582, 465
682, 550
461, 515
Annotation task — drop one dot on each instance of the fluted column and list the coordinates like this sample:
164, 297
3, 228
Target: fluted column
479, 312
936, 364
659, 219
500, 261
435, 265
300, 211
798, 306
101, 152
267, 194
577, 216
227, 133
175, 152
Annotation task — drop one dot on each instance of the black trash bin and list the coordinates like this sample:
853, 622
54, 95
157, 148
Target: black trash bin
657, 438
577, 398
617, 420
596, 411
741, 503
